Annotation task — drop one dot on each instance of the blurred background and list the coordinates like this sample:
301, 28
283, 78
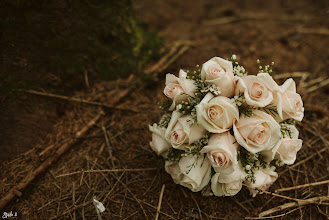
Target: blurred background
62, 47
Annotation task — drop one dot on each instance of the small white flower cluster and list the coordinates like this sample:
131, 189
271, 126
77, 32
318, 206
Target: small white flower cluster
224, 129
239, 99
239, 71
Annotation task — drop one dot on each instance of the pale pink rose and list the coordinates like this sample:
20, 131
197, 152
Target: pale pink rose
257, 133
181, 132
289, 146
216, 114
292, 104
159, 144
172, 90
264, 179
222, 152
195, 178
219, 72
228, 184
257, 90
178, 88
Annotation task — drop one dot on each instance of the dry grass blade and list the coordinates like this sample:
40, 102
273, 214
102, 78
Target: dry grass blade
275, 216
108, 171
176, 51
318, 86
160, 201
221, 21
314, 200
302, 186
303, 75
73, 99
200, 213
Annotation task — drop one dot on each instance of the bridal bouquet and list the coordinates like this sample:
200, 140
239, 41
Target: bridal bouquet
224, 129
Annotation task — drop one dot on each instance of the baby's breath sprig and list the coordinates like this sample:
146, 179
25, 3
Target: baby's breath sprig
243, 109
285, 129
196, 147
174, 155
234, 62
238, 70
195, 74
265, 69
165, 104
187, 107
251, 162
202, 87
164, 121
239, 99
194, 150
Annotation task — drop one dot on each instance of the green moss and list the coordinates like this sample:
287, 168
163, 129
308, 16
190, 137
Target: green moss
50, 44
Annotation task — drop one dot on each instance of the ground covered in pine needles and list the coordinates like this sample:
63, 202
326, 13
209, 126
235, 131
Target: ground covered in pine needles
113, 161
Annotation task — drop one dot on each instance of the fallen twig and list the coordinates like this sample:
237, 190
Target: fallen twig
275, 216
302, 186
300, 202
262, 16
303, 75
176, 51
160, 201
43, 167
318, 86
73, 99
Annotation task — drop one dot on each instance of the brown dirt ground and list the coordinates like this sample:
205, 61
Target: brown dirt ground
292, 34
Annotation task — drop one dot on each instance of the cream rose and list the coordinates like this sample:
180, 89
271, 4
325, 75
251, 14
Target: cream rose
195, 178
219, 72
181, 133
289, 147
227, 185
222, 152
291, 102
216, 114
159, 144
259, 132
258, 90
264, 179
178, 88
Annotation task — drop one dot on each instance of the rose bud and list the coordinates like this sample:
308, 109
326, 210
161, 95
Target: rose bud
159, 144
178, 88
